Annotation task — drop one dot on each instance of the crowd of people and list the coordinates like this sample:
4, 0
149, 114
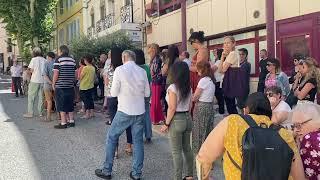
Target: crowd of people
179, 93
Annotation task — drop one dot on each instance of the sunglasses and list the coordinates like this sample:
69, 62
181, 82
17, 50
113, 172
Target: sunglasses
299, 125
270, 64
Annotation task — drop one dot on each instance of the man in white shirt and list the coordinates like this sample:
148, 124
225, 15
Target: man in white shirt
16, 73
36, 83
130, 84
184, 56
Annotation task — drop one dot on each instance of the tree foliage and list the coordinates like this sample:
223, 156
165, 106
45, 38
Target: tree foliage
30, 22
84, 45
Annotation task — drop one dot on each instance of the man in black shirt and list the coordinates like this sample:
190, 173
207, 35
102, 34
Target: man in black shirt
263, 70
246, 66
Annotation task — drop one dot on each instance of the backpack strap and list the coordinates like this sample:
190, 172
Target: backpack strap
233, 161
249, 120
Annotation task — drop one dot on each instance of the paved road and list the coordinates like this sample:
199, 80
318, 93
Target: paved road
33, 150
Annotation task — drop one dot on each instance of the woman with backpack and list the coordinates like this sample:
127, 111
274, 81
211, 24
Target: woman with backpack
259, 151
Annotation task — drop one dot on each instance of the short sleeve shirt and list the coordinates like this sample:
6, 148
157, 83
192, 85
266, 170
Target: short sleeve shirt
182, 105
48, 71
233, 59
66, 67
37, 64
310, 155
233, 140
312, 93
284, 107
208, 89
87, 81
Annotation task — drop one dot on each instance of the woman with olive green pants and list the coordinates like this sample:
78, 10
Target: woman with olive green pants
178, 121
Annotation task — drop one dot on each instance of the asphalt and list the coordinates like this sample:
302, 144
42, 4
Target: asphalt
33, 150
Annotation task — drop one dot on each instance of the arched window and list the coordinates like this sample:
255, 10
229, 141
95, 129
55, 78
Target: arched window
102, 9
92, 17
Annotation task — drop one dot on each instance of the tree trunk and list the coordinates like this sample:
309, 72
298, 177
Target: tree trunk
20, 44
35, 38
35, 41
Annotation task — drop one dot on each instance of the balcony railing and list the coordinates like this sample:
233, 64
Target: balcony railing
108, 21
91, 31
105, 23
126, 14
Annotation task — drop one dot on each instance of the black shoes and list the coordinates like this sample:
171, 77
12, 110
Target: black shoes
131, 176
60, 126
148, 141
100, 174
71, 124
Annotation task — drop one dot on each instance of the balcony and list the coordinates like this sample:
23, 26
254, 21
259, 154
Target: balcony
91, 31
126, 14
105, 23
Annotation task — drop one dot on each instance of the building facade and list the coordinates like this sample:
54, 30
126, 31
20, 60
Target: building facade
296, 26
8, 49
102, 17
68, 23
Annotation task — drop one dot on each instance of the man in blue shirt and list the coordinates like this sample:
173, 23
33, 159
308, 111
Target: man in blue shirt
47, 86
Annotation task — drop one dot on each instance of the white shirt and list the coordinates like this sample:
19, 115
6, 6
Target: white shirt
37, 65
219, 76
208, 89
16, 71
186, 60
182, 106
284, 107
130, 84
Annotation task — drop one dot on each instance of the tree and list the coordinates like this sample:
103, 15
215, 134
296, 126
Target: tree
30, 22
84, 45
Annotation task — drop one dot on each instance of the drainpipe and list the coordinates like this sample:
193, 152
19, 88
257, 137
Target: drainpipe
184, 25
270, 27
131, 2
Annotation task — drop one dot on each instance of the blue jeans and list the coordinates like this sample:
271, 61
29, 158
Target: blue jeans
147, 120
120, 123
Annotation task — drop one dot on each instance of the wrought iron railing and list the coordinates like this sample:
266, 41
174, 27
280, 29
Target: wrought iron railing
126, 14
105, 23
108, 21
99, 25
91, 31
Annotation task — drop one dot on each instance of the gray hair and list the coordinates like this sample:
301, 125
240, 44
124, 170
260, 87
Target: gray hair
36, 52
310, 110
130, 54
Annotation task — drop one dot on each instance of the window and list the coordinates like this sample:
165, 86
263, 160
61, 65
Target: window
102, 12
252, 41
67, 4
61, 37
61, 6
127, 2
92, 19
78, 28
111, 7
